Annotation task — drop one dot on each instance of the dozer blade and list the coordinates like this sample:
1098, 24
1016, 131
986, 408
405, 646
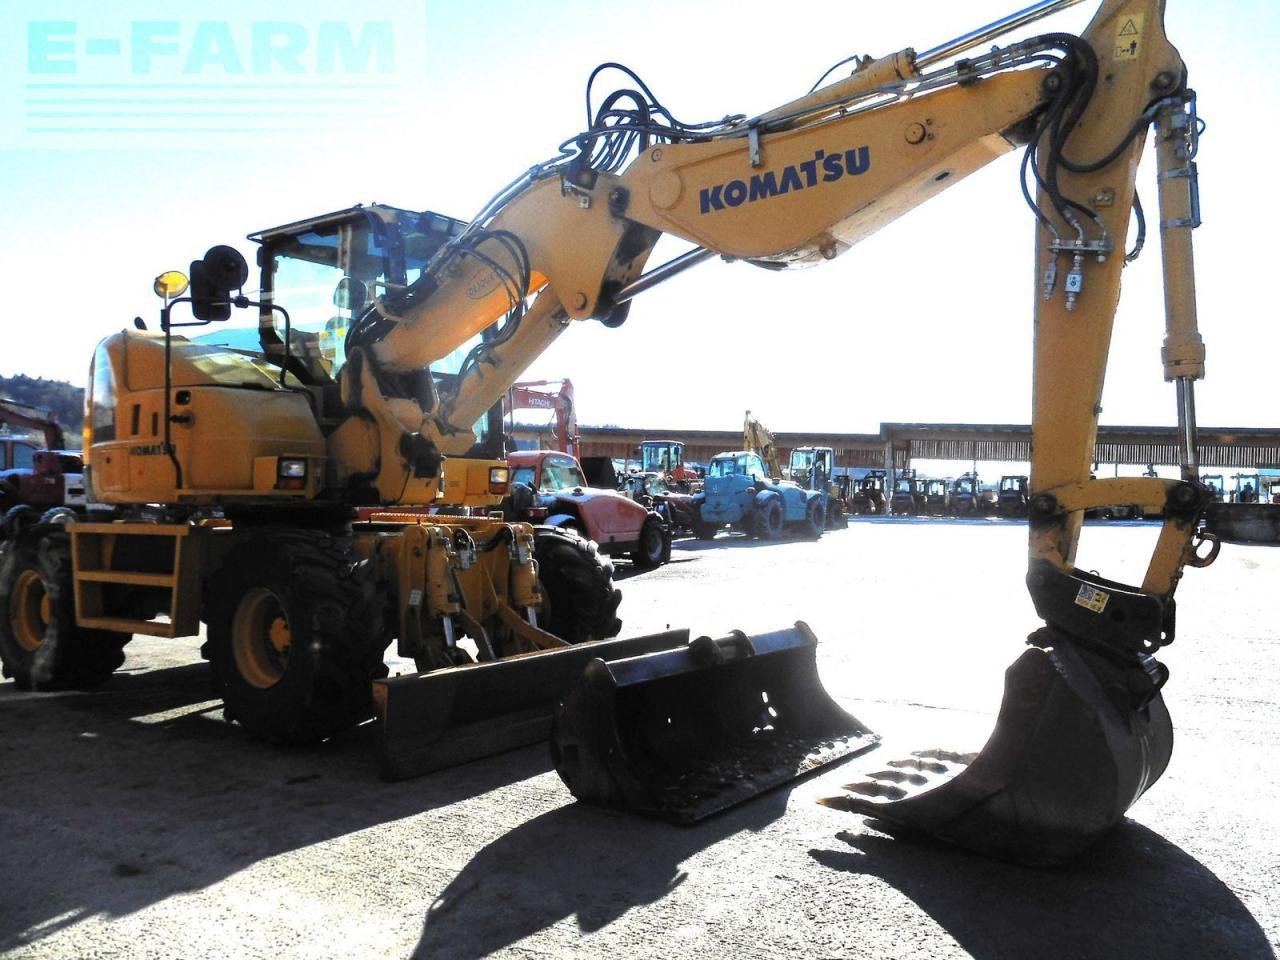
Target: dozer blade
446, 717
682, 734
1072, 750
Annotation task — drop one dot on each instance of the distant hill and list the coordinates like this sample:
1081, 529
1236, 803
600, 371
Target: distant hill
66, 401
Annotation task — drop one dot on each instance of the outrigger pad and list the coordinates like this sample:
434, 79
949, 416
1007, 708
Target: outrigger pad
446, 717
1075, 744
682, 734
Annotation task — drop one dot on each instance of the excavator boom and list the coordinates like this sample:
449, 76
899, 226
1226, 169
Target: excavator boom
756, 437
34, 418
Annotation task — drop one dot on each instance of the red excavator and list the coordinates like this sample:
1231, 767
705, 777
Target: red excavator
537, 395
32, 475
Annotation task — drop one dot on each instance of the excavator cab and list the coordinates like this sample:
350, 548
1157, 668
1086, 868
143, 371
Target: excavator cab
328, 269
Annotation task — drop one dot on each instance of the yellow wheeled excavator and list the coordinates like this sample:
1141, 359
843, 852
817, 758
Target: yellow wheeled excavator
233, 473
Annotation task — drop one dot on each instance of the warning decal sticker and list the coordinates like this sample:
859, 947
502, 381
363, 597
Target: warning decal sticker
1129, 37
1092, 598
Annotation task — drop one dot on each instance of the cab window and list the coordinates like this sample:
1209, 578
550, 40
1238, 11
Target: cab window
24, 455
102, 403
560, 473
752, 466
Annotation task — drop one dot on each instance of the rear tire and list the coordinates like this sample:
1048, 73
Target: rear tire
295, 636
837, 519
652, 548
578, 585
41, 646
703, 529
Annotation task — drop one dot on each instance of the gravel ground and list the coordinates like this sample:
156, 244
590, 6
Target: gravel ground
138, 824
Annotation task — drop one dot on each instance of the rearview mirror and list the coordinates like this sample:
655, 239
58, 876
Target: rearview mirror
222, 270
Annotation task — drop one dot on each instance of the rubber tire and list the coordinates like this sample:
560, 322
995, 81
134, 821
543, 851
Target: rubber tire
515, 506
579, 585
70, 657
17, 519
837, 520
815, 520
8, 494
652, 549
767, 521
705, 531
337, 639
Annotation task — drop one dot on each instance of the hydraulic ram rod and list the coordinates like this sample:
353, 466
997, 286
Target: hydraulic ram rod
1037, 11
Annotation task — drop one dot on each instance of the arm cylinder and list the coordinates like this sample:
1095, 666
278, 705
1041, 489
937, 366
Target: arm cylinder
1183, 352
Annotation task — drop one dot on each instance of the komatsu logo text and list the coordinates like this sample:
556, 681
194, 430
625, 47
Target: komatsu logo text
794, 177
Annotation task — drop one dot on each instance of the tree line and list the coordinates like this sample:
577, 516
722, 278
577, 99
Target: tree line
63, 399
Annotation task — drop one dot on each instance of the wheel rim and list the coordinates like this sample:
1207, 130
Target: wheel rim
32, 610
261, 639
653, 543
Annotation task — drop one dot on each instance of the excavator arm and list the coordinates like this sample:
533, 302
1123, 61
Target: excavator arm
801, 184
756, 436
536, 395
11, 412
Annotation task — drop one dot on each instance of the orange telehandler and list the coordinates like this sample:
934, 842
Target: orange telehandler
233, 473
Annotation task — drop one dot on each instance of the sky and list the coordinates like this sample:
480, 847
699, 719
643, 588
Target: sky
185, 129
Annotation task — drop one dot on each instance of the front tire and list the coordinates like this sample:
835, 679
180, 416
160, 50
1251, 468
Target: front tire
815, 519
577, 584
705, 531
295, 636
652, 548
768, 519
41, 646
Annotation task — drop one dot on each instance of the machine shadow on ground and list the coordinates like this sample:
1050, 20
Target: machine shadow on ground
137, 808
688, 551
577, 861
726, 541
1133, 895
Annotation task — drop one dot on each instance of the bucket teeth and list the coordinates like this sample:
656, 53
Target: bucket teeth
924, 769
1067, 758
